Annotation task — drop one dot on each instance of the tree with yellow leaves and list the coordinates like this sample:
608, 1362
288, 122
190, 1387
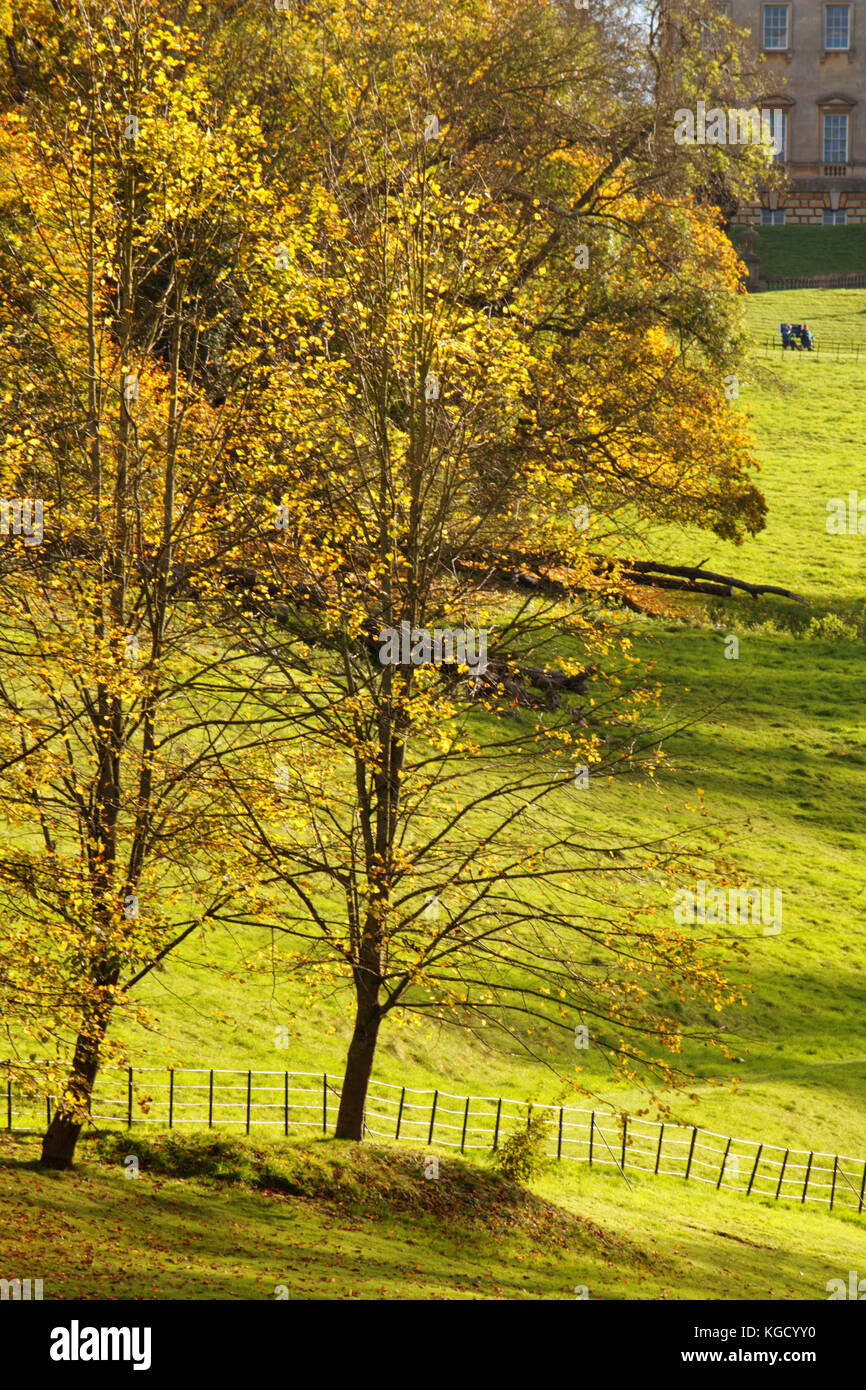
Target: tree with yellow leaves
126, 191
515, 332
319, 327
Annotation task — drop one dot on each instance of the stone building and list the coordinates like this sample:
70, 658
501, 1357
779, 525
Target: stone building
819, 53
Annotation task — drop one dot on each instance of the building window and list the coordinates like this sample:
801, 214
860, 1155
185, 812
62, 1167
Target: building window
836, 138
775, 26
835, 217
772, 217
776, 121
711, 40
837, 26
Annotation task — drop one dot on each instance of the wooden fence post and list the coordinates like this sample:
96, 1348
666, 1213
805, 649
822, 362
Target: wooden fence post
833, 1184
249, 1097
862, 1188
624, 1139
591, 1134
724, 1161
755, 1169
210, 1100
806, 1183
170, 1097
659, 1153
286, 1105
559, 1140
400, 1112
324, 1102
48, 1109
496, 1130
129, 1098
9, 1103
782, 1174
691, 1151
432, 1117
465, 1121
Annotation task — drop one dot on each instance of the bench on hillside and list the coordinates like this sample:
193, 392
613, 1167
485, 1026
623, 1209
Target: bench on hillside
796, 336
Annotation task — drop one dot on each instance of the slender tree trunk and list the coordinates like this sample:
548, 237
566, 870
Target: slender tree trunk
61, 1137
359, 1065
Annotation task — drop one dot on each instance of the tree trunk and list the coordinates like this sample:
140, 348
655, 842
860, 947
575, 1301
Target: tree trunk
58, 1145
359, 1065
61, 1136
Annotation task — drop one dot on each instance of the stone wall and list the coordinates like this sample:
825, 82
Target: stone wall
807, 209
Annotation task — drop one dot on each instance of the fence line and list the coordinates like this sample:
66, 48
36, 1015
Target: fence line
821, 347
847, 280
293, 1100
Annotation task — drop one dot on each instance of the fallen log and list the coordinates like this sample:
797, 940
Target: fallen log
529, 571
641, 571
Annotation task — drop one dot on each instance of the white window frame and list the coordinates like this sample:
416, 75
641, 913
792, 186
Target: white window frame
826, 117
772, 217
770, 111
776, 47
835, 217
837, 47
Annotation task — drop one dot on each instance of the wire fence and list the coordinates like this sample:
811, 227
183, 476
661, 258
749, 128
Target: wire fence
820, 348
292, 1101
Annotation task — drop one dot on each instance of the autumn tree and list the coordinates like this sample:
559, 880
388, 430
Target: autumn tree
326, 329
126, 194
519, 329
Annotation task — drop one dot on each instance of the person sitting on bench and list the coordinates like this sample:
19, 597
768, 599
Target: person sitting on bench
806, 337
785, 330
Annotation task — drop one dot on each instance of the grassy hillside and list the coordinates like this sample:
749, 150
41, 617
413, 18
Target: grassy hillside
326, 1220
785, 251
807, 416
777, 741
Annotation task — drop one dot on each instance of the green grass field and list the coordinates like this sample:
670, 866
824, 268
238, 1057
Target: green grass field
784, 251
776, 740
326, 1220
